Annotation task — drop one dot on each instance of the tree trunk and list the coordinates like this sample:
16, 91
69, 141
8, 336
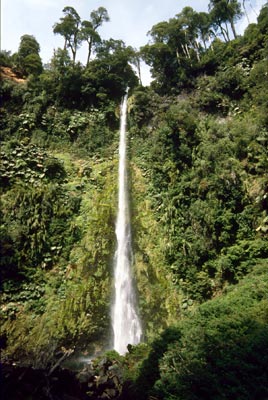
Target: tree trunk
178, 56
89, 51
187, 50
204, 43
139, 69
211, 42
196, 46
245, 11
73, 50
233, 28
225, 34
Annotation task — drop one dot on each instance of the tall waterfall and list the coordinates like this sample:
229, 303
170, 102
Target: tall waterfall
126, 324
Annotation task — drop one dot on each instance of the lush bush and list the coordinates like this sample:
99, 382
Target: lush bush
218, 351
57, 245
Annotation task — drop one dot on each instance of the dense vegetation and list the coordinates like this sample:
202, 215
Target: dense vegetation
198, 158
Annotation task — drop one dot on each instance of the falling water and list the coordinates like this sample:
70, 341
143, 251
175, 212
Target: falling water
126, 324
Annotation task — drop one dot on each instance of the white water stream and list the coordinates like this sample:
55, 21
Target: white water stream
125, 321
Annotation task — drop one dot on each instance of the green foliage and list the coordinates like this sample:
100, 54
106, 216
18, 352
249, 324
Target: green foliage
76, 31
69, 29
28, 163
36, 219
221, 352
222, 12
12, 95
187, 46
57, 251
158, 303
109, 74
262, 19
28, 45
5, 58
89, 32
32, 64
259, 91
218, 93
87, 132
141, 107
203, 175
28, 56
217, 351
149, 369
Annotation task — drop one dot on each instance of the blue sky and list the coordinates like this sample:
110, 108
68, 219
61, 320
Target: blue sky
130, 20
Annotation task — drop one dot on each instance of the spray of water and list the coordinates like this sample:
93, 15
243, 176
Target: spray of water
125, 321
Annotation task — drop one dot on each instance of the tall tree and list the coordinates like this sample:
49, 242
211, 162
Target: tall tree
204, 29
99, 16
89, 34
28, 55
174, 49
223, 12
69, 27
188, 21
28, 45
108, 75
89, 28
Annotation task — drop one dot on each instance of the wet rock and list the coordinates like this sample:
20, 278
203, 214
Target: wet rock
86, 375
104, 380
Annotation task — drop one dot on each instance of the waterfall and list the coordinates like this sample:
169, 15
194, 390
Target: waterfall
125, 321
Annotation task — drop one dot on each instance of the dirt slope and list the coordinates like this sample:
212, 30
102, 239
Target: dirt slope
7, 73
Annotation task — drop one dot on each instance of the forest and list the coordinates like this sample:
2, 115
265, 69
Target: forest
197, 161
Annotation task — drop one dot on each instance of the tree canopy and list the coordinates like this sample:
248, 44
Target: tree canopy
28, 57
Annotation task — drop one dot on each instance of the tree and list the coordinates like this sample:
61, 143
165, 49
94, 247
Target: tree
28, 55
28, 45
174, 51
67, 79
60, 61
33, 64
263, 19
203, 26
89, 28
136, 61
196, 27
108, 75
69, 29
5, 58
99, 16
223, 12
90, 36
